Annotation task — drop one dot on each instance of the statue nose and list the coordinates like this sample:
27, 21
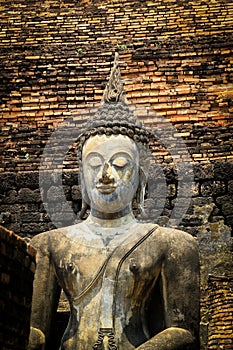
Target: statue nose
106, 176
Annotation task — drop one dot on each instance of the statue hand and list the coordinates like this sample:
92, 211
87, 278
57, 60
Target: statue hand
170, 339
36, 339
68, 277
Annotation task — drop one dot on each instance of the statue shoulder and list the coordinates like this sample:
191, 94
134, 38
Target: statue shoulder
177, 240
42, 241
176, 235
171, 234
181, 246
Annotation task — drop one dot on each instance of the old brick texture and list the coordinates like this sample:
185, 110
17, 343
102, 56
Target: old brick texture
176, 59
17, 267
221, 312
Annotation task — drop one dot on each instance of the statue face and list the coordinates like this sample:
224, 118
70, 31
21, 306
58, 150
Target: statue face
110, 172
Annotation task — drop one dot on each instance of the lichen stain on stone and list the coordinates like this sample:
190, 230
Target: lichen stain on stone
204, 212
217, 228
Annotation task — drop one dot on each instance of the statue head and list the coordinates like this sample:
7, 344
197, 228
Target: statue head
113, 146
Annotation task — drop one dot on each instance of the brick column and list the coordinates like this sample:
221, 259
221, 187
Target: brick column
17, 267
220, 333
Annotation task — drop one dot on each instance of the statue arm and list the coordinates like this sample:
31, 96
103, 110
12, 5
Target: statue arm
46, 293
180, 284
180, 276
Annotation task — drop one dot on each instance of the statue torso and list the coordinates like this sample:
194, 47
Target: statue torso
108, 284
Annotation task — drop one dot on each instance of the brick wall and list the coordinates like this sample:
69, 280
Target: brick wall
56, 57
17, 266
221, 312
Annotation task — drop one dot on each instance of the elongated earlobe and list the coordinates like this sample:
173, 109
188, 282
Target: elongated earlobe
85, 197
83, 211
140, 194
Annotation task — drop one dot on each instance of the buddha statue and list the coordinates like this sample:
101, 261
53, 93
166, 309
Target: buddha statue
130, 284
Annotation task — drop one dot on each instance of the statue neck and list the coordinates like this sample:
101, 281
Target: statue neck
110, 216
121, 218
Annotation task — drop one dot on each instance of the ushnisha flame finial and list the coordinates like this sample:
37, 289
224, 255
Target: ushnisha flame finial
113, 116
114, 90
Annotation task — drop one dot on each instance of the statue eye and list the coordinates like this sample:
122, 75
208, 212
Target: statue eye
120, 162
95, 162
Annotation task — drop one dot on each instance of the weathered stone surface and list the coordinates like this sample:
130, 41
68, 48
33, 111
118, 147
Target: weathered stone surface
31, 217
203, 171
70, 178
25, 195
219, 188
5, 218
28, 180
10, 198
206, 189
7, 182
227, 208
223, 171
76, 192
224, 199
230, 186
229, 220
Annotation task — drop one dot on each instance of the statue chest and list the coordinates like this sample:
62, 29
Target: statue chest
83, 271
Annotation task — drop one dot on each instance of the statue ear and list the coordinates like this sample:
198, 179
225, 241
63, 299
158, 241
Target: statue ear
83, 211
140, 194
85, 197
143, 177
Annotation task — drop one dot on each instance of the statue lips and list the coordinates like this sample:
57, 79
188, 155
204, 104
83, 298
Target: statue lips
106, 189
